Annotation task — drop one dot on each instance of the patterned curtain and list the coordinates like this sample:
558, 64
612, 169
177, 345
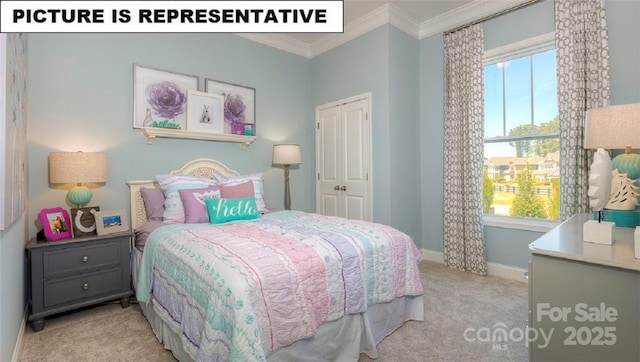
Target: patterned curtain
582, 53
463, 150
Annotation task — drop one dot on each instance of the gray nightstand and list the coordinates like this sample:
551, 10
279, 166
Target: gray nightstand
74, 273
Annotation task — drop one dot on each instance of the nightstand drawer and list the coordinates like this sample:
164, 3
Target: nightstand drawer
80, 258
63, 290
74, 273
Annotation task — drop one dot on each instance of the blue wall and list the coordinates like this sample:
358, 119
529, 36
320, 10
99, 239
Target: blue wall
623, 23
432, 141
518, 25
359, 66
384, 62
80, 98
404, 135
510, 246
12, 285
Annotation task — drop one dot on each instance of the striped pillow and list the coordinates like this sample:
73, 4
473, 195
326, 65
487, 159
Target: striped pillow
170, 184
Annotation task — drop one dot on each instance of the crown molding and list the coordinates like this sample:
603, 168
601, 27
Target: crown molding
280, 41
363, 25
404, 21
465, 14
386, 14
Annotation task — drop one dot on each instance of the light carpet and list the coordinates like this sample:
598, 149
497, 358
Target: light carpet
461, 313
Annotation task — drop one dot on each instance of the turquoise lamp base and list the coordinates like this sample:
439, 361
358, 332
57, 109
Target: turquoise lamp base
628, 163
79, 195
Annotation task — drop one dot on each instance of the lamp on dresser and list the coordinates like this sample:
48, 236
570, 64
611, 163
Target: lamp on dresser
78, 168
616, 128
286, 155
611, 127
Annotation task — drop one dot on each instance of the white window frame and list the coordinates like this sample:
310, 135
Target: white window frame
515, 50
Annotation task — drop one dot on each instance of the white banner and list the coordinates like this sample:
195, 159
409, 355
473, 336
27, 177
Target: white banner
172, 16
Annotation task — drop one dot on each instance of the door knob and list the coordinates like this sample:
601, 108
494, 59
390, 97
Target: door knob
343, 188
336, 188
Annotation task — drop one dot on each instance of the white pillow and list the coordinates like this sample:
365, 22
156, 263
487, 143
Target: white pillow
173, 207
258, 187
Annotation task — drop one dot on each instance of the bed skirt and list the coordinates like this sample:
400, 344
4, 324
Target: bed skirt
340, 340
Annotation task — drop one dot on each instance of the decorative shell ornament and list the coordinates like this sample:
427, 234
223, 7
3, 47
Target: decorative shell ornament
623, 192
600, 180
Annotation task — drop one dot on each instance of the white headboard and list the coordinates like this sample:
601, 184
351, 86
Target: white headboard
203, 167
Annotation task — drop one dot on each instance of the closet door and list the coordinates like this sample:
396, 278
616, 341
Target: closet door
343, 160
354, 186
328, 149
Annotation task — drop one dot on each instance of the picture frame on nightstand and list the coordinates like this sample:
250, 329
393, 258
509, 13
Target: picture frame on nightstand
55, 223
111, 221
83, 221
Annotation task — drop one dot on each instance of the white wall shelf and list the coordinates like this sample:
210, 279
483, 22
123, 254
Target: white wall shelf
151, 133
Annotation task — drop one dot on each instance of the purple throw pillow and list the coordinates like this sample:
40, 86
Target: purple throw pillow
238, 191
170, 183
153, 202
195, 211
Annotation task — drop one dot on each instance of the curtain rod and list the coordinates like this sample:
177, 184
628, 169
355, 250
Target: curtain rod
495, 15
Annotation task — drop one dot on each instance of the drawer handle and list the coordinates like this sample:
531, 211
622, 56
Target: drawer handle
85, 259
85, 286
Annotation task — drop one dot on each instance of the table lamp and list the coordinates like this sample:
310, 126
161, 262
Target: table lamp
611, 127
78, 168
286, 155
616, 127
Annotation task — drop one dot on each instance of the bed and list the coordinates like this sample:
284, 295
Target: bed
285, 286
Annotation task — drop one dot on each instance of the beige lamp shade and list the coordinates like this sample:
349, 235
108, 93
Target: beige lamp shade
286, 155
616, 127
77, 167
613, 127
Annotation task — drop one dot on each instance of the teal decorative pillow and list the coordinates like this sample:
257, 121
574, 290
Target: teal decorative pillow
258, 186
223, 209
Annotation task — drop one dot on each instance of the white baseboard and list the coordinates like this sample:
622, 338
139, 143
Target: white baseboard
493, 269
434, 256
17, 349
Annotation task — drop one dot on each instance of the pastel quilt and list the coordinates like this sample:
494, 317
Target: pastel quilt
241, 290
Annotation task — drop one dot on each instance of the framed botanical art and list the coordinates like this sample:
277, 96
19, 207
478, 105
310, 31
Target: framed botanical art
160, 97
13, 127
111, 221
239, 106
205, 112
55, 223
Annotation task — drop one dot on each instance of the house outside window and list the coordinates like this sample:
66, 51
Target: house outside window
521, 153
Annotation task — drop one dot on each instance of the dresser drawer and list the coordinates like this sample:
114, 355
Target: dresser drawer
89, 285
77, 259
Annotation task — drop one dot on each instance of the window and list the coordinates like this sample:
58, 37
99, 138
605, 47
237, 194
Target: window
521, 144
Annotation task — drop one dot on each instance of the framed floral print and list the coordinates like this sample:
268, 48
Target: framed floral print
239, 106
160, 97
